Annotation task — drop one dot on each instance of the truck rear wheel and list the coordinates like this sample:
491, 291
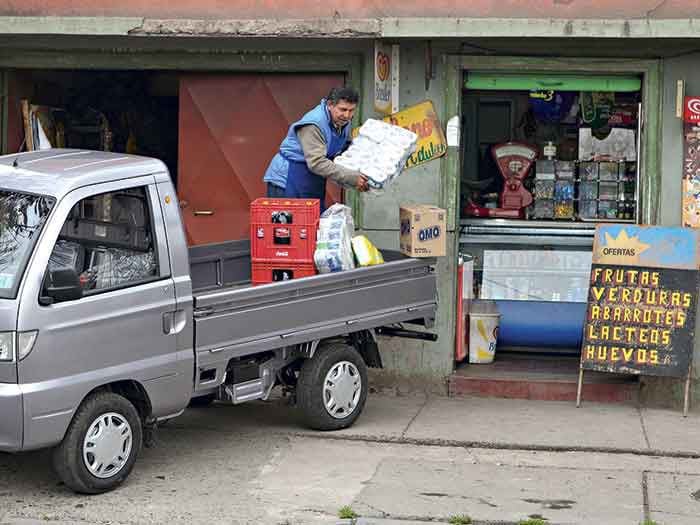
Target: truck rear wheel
101, 444
332, 387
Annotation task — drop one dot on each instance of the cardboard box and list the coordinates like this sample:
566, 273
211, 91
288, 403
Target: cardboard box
423, 231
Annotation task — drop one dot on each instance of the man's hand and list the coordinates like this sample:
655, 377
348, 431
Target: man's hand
362, 185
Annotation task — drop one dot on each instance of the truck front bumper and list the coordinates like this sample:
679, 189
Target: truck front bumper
11, 417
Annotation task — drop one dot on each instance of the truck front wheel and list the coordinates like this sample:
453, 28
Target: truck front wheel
332, 387
101, 444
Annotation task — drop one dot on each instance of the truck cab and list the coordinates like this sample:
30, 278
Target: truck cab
67, 332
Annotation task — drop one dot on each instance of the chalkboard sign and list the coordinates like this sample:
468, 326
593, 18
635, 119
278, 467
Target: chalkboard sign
641, 301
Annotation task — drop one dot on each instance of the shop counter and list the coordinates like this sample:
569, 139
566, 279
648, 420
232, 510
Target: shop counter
538, 273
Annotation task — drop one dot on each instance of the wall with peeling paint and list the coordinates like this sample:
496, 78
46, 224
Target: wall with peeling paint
668, 391
674, 69
427, 362
424, 361
422, 184
279, 9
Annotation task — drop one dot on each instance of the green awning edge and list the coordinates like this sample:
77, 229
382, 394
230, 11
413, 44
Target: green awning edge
553, 81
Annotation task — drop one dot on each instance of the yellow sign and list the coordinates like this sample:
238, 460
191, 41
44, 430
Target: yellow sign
622, 249
422, 120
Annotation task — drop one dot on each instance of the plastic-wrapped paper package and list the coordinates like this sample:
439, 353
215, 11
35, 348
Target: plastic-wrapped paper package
366, 253
375, 130
333, 242
380, 152
129, 266
340, 211
111, 267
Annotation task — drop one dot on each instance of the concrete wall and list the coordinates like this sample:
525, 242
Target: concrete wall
674, 69
423, 184
426, 363
298, 9
669, 391
431, 362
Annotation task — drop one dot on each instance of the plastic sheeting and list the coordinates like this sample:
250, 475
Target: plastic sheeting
114, 267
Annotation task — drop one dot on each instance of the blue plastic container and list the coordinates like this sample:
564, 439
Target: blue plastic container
541, 324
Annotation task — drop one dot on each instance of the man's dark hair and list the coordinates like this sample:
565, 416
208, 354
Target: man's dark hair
343, 93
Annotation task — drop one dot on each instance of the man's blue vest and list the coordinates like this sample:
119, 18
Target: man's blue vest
291, 150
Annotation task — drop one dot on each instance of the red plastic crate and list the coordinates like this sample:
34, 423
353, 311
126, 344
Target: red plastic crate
284, 230
286, 243
301, 211
270, 272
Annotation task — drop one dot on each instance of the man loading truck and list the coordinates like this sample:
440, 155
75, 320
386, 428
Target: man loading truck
305, 159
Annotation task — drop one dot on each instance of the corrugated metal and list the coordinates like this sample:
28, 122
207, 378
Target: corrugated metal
305, 9
230, 128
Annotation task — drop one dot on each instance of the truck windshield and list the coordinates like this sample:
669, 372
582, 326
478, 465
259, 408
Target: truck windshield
22, 216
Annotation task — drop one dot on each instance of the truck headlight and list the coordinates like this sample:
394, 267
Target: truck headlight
7, 346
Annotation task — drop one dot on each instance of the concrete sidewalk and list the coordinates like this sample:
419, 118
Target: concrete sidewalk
609, 463
500, 460
407, 461
526, 425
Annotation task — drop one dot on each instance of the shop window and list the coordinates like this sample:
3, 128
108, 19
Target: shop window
108, 240
551, 155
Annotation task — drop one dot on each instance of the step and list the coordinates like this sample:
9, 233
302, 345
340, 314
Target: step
542, 389
541, 377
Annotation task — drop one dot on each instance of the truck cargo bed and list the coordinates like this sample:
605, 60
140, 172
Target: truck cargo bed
234, 319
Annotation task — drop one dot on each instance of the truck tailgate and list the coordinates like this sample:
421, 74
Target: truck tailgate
245, 320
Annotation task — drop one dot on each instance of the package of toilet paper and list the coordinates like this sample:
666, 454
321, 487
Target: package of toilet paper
380, 152
334, 240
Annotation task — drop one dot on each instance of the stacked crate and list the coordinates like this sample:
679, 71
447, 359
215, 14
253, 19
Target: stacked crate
283, 238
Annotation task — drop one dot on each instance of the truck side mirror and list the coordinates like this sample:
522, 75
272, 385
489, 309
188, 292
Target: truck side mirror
61, 284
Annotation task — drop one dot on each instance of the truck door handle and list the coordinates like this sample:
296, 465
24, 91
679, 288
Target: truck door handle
174, 322
203, 212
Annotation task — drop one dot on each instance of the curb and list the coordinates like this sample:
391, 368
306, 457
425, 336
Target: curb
427, 442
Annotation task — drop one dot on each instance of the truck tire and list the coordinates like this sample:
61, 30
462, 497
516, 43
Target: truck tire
101, 444
332, 387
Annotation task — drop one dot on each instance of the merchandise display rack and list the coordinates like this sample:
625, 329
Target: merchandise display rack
593, 191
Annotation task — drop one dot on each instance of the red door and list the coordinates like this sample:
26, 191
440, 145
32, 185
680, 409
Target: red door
230, 128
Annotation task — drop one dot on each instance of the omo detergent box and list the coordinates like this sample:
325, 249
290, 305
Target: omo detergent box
423, 230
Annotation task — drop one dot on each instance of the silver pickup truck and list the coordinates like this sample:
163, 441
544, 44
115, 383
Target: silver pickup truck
110, 325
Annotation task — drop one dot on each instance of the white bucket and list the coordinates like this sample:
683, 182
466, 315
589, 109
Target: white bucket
484, 319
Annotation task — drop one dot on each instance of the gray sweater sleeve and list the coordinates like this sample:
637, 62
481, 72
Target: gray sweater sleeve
313, 143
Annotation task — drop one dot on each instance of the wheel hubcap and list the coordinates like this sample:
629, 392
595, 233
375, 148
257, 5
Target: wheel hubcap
107, 445
341, 389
